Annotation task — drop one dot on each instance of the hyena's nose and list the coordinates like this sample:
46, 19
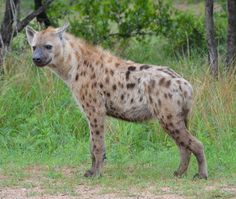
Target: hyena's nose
37, 60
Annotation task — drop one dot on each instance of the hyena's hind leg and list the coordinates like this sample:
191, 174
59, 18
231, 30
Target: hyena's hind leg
188, 143
175, 125
185, 156
185, 153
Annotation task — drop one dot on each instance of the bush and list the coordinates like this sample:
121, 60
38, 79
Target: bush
109, 22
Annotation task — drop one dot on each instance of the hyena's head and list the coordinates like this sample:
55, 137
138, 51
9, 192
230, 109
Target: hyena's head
46, 44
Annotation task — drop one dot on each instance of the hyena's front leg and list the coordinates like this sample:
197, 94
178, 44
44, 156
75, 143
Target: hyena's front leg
96, 123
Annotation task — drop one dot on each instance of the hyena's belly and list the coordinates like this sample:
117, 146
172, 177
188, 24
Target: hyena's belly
132, 106
133, 114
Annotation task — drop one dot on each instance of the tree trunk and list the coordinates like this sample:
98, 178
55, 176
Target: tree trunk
8, 26
231, 40
42, 18
211, 42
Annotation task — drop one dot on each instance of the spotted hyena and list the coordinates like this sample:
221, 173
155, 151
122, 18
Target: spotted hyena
106, 85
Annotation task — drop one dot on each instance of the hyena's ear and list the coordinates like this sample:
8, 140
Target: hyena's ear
30, 32
60, 31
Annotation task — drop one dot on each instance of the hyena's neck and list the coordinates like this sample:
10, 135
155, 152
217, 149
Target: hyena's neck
65, 63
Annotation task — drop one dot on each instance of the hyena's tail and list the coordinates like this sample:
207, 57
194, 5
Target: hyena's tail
188, 105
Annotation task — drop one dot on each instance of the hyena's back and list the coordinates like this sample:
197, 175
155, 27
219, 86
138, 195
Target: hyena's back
145, 91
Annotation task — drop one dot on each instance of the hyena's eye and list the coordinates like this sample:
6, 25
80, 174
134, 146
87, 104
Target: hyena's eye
34, 47
48, 47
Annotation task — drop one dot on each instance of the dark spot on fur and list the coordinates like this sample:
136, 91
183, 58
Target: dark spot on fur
132, 100
114, 87
95, 120
178, 82
178, 102
122, 97
97, 132
159, 102
189, 142
101, 85
170, 95
82, 97
177, 131
76, 77
111, 72
130, 85
131, 68
185, 93
169, 117
180, 88
165, 95
145, 67
93, 76
127, 75
168, 83
169, 73
162, 80
182, 143
85, 62
141, 99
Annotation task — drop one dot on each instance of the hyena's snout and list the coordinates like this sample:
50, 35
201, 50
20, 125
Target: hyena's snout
40, 58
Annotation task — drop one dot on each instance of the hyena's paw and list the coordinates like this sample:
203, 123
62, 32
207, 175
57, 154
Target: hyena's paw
92, 173
200, 176
89, 173
177, 174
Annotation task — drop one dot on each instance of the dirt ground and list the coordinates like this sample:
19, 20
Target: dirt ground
83, 192
33, 187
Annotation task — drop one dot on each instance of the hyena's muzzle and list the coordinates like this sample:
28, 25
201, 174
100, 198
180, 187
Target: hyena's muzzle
41, 57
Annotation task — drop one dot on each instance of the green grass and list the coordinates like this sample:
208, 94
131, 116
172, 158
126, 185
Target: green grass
41, 127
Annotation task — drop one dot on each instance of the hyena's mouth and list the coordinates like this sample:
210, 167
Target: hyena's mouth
42, 64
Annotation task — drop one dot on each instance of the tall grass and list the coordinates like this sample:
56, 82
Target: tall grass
40, 122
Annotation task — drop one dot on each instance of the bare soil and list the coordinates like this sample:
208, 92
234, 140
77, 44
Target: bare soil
34, 186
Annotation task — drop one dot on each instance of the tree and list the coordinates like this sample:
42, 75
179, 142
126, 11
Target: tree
231, 38
7, 29
211, 42
11, 24
42, 18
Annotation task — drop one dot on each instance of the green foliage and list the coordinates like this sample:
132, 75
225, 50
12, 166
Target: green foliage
105, 20
187, 31
109, 22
